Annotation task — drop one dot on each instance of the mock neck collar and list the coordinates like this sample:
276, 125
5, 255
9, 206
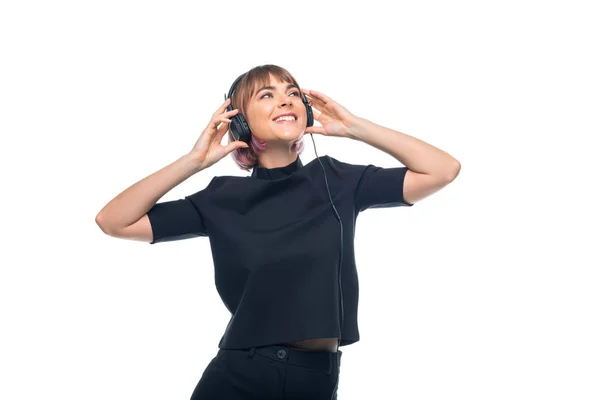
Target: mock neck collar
259, 172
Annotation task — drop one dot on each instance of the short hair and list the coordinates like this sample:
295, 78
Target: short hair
247, 158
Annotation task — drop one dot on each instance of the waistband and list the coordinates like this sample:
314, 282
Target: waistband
318, 359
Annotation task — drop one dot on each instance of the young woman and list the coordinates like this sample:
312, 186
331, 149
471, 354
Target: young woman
282, 239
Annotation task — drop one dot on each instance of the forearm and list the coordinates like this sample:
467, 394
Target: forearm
415, 154
135, 201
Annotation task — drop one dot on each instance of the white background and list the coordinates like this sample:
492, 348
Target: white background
486, 290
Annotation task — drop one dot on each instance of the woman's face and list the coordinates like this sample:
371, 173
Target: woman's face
268, 103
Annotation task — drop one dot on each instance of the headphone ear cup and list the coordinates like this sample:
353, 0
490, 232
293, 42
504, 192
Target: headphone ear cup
309, 114
239, 128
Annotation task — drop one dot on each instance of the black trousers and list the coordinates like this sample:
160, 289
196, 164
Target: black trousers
270, 372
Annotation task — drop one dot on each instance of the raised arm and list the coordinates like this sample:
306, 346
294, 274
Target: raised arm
428, 169
125, 216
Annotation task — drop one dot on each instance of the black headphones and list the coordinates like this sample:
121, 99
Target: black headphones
239, 126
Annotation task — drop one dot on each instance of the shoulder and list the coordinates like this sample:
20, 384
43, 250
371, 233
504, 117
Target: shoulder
335, 163
228, 184
345, 169
215, 184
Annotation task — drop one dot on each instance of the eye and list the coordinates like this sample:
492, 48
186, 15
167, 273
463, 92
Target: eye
296, 93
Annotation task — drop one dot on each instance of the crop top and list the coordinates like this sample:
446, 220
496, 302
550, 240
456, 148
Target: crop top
275, 242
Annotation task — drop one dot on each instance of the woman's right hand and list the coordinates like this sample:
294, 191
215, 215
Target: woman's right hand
208, 149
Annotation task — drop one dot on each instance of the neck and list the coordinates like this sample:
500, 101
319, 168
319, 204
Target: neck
276, 158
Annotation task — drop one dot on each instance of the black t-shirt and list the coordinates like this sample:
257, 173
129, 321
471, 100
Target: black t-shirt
275, 242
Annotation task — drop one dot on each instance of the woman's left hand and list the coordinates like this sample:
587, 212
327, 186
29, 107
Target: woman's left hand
335, 119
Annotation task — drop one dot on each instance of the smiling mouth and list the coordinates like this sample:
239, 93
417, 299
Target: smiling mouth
285, 121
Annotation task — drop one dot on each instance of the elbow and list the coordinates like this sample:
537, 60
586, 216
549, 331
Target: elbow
102, 225
453, 171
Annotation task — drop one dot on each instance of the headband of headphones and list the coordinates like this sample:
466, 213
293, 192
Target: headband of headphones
239, 126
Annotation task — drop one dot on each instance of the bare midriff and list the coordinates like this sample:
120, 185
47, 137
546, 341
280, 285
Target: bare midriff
320, 344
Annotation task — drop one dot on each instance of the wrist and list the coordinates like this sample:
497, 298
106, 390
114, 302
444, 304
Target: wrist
357, 127
194, 161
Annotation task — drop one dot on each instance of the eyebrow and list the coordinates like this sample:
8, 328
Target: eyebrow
273, 88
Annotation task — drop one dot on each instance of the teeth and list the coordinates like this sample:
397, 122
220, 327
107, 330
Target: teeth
286, 118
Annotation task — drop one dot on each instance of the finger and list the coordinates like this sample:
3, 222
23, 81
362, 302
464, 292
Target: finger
223, 107
320, 97
236, 144
316, 113
218, 119
232, 112
222, 130
308, 96
224, 121
315, 102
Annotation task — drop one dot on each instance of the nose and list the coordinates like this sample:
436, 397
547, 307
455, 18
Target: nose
286, 100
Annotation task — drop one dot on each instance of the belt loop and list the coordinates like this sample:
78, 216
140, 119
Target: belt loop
251, 352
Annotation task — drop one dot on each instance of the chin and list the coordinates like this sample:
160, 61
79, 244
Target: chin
291, 135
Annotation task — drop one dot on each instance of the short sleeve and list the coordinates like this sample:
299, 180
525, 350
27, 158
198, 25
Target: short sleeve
381, 187
176, 220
